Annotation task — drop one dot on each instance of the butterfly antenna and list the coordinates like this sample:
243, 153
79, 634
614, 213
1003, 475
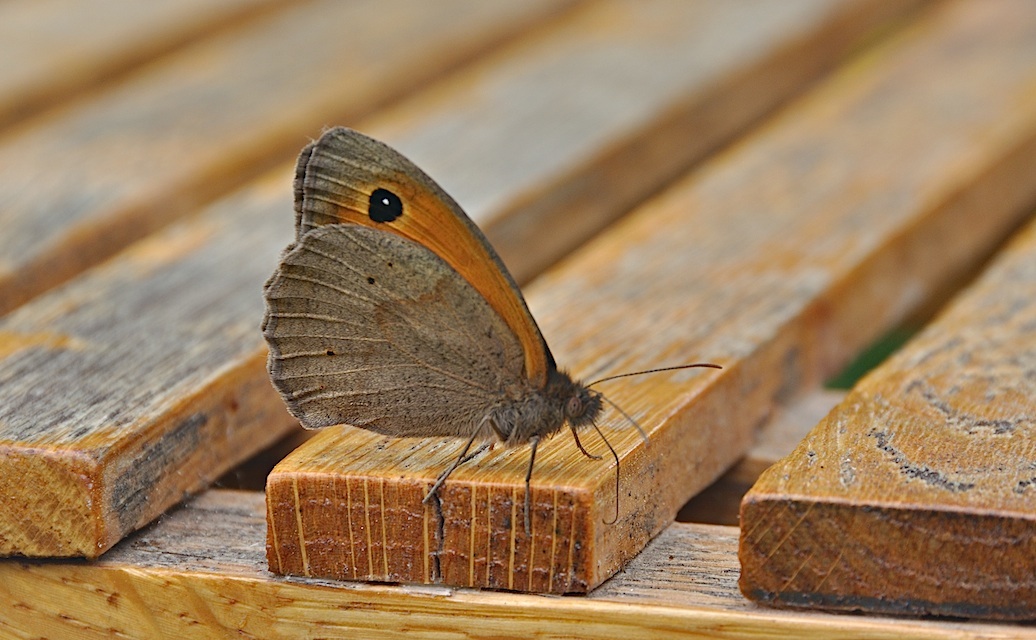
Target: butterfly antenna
616, 456
639, 373
643, 436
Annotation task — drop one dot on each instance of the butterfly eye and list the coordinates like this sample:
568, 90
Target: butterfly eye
574, 407
385, 206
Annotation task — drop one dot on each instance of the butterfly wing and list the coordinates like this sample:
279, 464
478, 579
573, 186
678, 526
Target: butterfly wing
370, 329
346, 177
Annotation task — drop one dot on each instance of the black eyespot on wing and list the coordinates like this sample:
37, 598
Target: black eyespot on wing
370, 280
330, 352
385, 206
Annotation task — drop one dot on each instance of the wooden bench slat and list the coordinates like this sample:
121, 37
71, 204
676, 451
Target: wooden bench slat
140, 381
608, 105
779, 260
201, 570
82, 184
52, 48
918, 492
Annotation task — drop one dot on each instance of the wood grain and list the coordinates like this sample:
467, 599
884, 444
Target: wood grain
606, 106
778, 260
53, 48
113, 167
139, 381
200, 572
916, 494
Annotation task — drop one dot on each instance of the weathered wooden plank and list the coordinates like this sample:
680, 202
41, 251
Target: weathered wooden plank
139, 381
201, 572
53, 48
779, 260
604, 108
82, 184
916, 494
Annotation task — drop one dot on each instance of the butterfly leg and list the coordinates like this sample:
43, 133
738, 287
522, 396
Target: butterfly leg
456, 463
580, 444
533, 442
476, 453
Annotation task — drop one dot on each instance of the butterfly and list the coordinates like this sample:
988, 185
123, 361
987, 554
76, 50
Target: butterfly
391, 312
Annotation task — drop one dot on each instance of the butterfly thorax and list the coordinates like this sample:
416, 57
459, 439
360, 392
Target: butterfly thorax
543, 412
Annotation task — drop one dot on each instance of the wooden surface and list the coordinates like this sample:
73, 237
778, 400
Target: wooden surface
142, 392
107, 370
82, 184
201, 572
778, 260
918, 492
610, 104
53, 48
141, 380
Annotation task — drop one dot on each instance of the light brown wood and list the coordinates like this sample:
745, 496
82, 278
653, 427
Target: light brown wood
200, 572
84, 182
53, 48
779, 260
917, 493
605, 107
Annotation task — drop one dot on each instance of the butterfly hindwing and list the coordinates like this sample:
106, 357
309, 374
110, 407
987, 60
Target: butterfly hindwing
370, 329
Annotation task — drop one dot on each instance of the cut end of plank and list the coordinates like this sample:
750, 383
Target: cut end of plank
851, 557
49, 496
330, 518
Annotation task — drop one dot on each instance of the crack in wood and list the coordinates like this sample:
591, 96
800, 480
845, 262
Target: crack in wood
440, 537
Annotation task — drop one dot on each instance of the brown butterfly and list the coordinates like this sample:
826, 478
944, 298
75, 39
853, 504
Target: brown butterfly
391, 312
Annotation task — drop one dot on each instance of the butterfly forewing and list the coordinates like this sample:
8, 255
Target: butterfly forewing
339, 178
370, 329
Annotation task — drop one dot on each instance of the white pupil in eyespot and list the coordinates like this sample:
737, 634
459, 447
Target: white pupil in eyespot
385, 201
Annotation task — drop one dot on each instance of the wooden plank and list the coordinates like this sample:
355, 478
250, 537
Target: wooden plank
609, 105
140, 381
916, 495
35, 338
84, 183
201, 572
778, 260
53, 48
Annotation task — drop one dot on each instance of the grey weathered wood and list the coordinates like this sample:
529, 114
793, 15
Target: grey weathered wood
83, 183
201, 570
613, 102
139, 381
52, 48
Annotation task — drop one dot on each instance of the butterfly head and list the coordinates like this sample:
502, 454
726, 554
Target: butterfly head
582, 406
